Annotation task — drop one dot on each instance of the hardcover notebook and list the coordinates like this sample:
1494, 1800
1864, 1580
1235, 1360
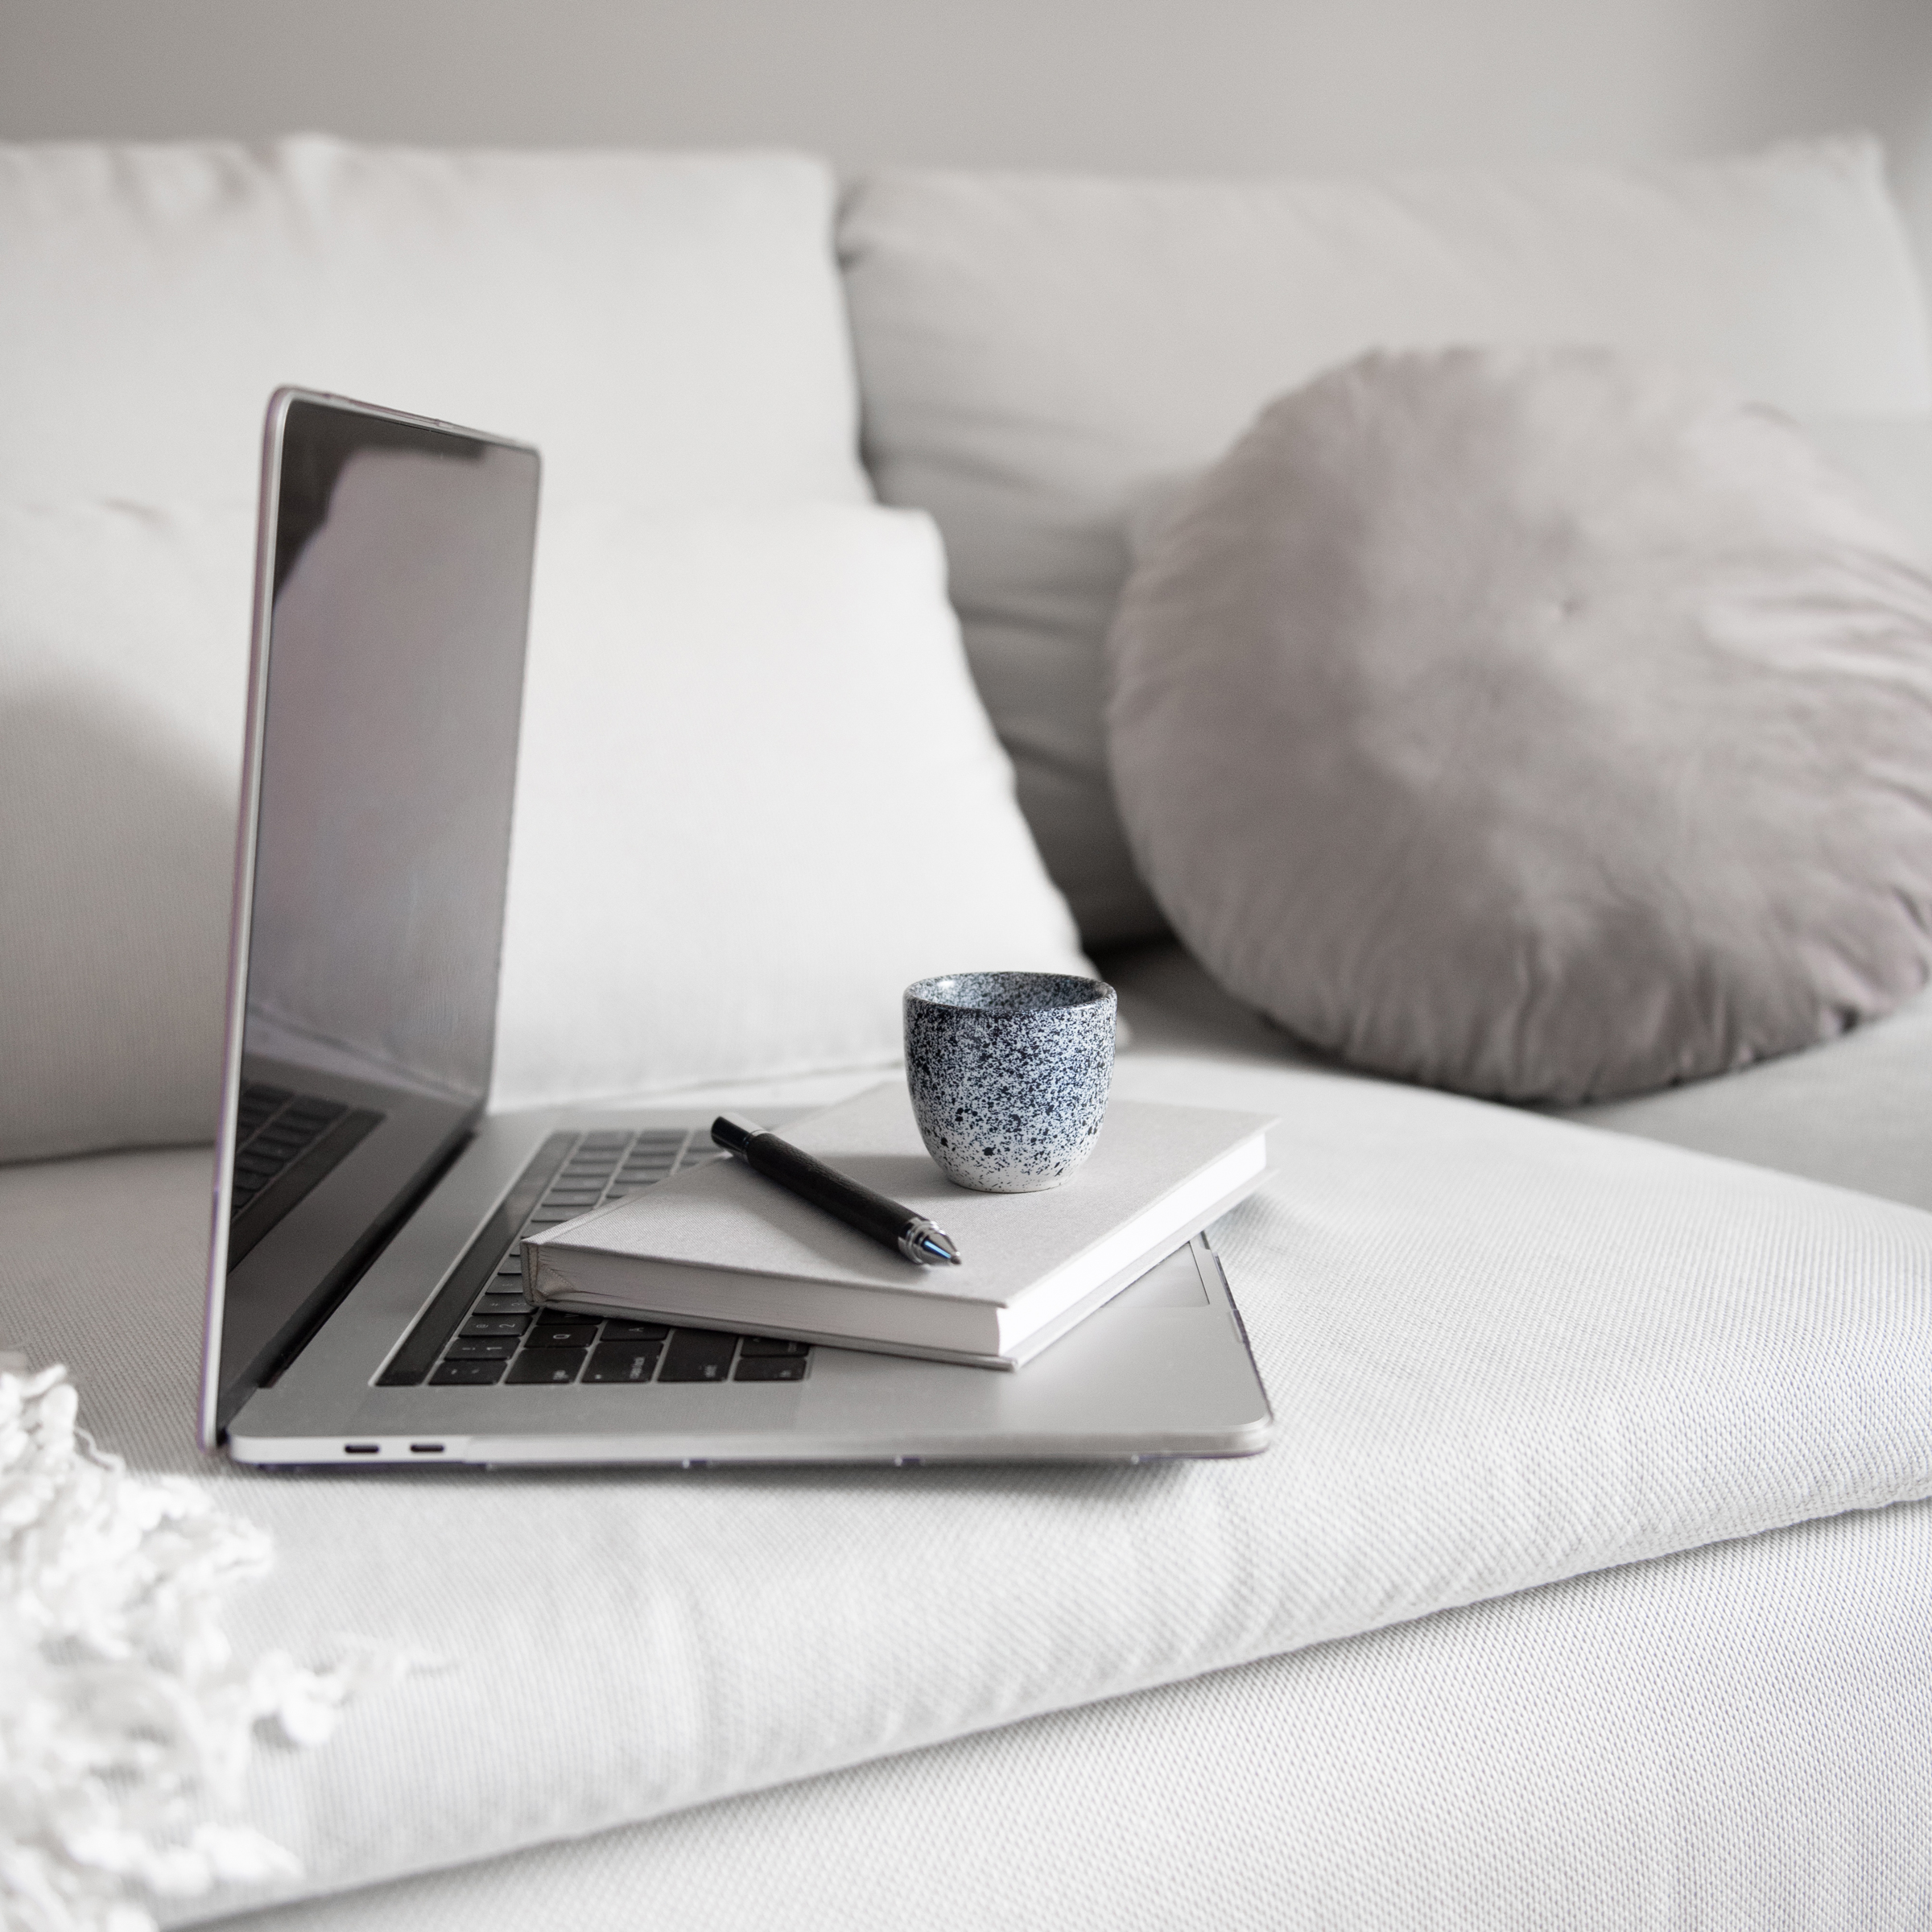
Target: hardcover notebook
723, 1246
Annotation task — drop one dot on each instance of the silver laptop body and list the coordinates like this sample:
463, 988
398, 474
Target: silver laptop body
364, 1301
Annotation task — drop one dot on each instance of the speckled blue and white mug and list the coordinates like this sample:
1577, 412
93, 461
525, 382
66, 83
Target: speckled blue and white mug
1009, 1073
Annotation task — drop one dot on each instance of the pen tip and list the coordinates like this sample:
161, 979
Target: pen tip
940, 1248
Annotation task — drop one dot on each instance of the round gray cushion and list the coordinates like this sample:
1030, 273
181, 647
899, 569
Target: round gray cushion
1532, 723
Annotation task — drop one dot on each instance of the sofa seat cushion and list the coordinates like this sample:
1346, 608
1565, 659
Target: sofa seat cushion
1036, 353
1501, 1350
1748, 1726
1856, 1112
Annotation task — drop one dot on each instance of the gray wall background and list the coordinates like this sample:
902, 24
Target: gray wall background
1142, 86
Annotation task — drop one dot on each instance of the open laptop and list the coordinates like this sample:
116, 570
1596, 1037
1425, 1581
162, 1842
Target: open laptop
364, 1300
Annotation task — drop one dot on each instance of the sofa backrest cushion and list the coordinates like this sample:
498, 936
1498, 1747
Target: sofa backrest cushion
1036, 353
669, 329
730, 851
123, 675
757, 797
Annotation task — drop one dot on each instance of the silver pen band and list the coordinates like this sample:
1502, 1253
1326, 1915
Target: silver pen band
915, 1230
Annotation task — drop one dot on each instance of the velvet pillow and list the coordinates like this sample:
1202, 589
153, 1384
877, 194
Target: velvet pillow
1537, 723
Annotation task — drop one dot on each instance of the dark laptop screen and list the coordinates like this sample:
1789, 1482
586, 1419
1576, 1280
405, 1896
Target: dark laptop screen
393, 675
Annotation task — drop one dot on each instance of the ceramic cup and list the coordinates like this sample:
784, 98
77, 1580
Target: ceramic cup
1009, 1073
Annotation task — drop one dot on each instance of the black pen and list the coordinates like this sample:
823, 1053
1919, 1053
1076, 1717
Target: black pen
899, 1228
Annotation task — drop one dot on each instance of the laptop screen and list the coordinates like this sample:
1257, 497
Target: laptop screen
389, 678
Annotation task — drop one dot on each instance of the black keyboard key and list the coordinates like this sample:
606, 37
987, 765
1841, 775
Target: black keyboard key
511, 1303
456, 1297
771, 1368
465, 1373
547, 1334
480, 1325
496, 1349
547, 1365
622, 1362
697, 1355
635, 1331
770, 1344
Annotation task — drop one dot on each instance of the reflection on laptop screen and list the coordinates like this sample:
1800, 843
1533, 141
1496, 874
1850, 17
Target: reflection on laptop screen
386, 757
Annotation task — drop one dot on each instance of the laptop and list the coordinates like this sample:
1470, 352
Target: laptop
365, 1294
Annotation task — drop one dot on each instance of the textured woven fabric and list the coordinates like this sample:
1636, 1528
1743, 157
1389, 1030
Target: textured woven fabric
1735, 1737
1502, 1349
1856, 1112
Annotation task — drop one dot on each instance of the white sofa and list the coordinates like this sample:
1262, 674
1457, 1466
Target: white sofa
1585, 1583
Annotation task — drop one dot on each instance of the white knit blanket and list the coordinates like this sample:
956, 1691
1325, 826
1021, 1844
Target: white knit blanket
126, 1724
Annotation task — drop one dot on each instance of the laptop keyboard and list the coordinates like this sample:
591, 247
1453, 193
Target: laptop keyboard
285, 1143
481, 1332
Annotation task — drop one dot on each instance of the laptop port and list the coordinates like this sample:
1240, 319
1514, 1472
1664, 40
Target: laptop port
426, 1448
359, 1448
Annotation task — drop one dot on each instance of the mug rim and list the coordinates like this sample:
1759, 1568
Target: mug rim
1095, 993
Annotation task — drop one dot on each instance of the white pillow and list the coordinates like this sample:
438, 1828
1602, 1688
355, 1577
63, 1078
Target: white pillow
1541, 723
757, 797
670, 329
1034, 351
1890, 459
123, 665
